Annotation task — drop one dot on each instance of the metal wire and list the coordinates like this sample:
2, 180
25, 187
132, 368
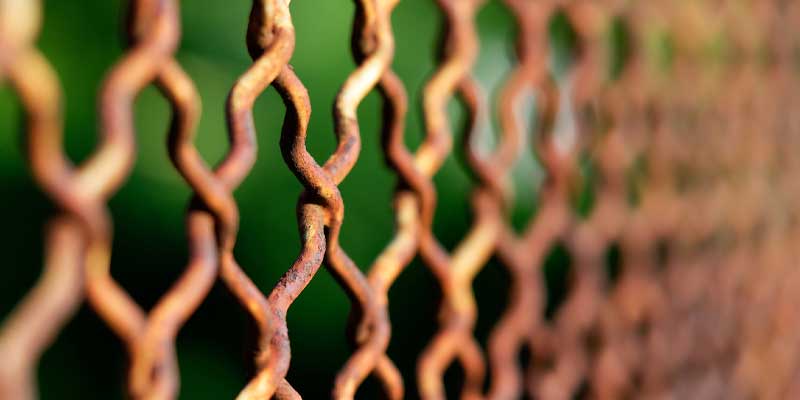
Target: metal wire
321, 213
454, 272
34, 323
523, 254
693, 178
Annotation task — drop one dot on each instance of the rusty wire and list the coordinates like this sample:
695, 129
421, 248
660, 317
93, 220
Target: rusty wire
321, 213
455, 272
709, 131
564, 341
523, 254
80, 193
34, 323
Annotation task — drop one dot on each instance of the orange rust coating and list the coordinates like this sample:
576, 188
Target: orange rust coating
454, 272
35, 322
81, 192
321, 213
703, 304
523, 255
373, 49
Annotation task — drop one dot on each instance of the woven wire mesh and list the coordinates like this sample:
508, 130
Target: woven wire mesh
663, 130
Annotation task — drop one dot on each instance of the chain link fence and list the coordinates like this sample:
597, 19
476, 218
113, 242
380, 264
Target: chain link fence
665, 133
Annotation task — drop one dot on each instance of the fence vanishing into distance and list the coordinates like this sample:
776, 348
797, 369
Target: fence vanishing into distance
666, 131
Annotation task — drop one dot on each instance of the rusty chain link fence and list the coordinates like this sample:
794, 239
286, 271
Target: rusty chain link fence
661, 261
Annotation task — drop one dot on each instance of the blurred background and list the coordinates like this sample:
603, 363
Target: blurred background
83, 40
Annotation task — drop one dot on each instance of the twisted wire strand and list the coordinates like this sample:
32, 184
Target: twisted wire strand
35, 322
153, 372
369, 316
150, 341
270, 41
105, 171
554, 222
415, 187
155, 354
373, 43
320, 215
312, 214
457, 314
588, 240
82, 192
523, 254
111, 302
403, 246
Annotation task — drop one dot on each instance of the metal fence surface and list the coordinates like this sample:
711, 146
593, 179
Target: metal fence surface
677, 117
